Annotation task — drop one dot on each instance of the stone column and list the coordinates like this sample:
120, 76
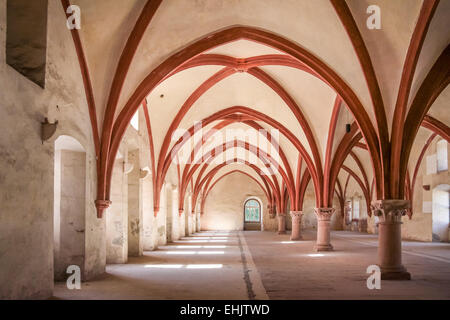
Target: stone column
198, 221
181, 223
296, 233
390, 214
281, 223
135, 213
323, 229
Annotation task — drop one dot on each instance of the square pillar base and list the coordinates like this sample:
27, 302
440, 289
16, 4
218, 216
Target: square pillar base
403, 275
323, 247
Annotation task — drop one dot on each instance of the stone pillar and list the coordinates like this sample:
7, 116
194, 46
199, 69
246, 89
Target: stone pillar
198, 221
170, 199
187, 215
281, 223
296, 233
323, 229
390, 214
187, 222
181, 223
117, 216
149, 225
194, 222
135, 213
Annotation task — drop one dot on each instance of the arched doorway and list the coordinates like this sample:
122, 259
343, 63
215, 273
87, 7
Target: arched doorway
252, 214
69, 206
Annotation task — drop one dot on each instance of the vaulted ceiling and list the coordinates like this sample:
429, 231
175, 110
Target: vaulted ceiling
206, 62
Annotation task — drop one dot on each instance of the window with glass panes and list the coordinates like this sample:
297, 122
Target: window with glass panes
252, 211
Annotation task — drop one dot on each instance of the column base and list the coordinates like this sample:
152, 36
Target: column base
395, 274
323, 247
296, 238
281, 232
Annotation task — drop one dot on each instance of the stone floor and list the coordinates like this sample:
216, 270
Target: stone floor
261, 265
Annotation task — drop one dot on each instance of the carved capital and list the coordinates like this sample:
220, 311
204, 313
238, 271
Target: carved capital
390, 211
296, 216
324, 213
281, 214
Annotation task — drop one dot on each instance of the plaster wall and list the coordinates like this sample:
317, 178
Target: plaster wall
224, 208
268, 223
420, 226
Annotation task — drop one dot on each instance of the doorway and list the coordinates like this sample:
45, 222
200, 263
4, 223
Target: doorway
252, 215
441, 213
69, 206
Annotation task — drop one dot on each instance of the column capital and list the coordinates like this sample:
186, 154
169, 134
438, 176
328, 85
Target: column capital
324, 213
390, 210
296, 218
281, 214
295, 214
296, 225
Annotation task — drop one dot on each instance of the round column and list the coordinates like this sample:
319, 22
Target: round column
390, 214
323, 229
281, 223
296, 225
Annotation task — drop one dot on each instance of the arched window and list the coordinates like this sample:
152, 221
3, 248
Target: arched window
252, 211
355, 215
135, 121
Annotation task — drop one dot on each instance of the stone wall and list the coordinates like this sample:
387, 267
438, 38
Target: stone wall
420, 227
27, 171
224, 207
